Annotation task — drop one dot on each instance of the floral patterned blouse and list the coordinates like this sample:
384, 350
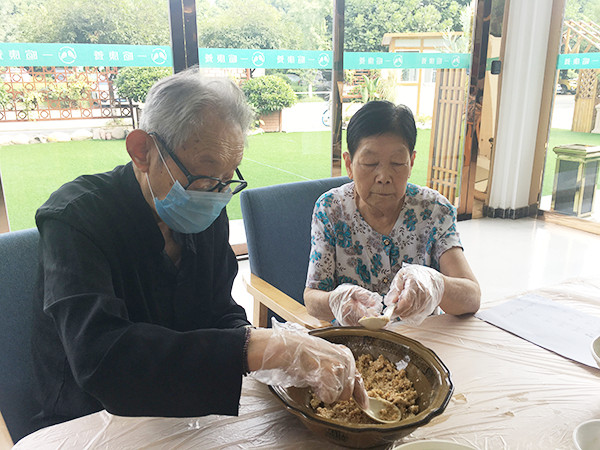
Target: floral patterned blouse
345, 249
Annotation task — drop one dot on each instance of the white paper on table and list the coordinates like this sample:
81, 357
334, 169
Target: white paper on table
548, 324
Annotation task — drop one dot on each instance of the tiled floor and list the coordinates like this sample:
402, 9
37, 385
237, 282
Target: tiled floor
511, 256
507, 256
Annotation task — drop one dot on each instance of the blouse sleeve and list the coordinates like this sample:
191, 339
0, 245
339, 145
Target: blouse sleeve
321, 265
445, 233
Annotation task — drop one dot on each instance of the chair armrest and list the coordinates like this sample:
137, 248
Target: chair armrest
5, 439
267, 297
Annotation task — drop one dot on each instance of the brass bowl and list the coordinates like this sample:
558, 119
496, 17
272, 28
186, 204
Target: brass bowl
430, 377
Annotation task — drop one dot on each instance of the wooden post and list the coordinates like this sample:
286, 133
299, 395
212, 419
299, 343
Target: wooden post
184, 34
191, 33
481, 32
337, 88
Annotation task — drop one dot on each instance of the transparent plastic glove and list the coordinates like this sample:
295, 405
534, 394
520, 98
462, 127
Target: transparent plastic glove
415, 293
292, 357
349, 303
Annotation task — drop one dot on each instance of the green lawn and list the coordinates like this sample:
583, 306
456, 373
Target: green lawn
274, 158
30, 173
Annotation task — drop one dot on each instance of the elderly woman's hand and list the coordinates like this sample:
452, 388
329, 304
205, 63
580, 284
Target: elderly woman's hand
349, 303
292, 357
415, 293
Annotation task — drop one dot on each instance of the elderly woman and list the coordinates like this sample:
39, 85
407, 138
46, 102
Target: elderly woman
135, 313
382, 236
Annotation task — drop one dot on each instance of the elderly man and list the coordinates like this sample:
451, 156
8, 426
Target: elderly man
135, 313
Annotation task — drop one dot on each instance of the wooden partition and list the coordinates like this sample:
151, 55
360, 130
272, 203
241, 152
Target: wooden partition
446, 132
585, 101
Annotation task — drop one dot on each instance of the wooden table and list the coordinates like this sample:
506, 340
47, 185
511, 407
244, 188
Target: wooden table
509, 394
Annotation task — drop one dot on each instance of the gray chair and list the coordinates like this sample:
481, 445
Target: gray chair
18, 272
277, 223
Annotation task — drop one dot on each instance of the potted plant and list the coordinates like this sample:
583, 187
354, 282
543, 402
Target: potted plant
268, 95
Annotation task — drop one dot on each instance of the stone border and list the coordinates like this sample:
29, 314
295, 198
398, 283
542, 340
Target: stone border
103, 133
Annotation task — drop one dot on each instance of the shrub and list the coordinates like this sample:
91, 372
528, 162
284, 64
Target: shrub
269, 93
27, 101
68, 94
135, 82
370, 89
5, 97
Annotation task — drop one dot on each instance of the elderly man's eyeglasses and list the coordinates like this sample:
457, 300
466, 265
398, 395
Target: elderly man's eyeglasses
216, 183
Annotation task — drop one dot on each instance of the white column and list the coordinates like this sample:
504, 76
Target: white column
518, 115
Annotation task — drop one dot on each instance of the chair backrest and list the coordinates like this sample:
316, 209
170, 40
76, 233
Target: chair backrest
277, 223
18, 273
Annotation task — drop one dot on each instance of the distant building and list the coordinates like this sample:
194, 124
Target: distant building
416, 87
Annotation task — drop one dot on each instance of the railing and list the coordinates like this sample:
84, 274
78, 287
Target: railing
60, 93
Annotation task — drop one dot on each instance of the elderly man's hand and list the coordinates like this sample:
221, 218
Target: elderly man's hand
292, 357
349, 303
415, 293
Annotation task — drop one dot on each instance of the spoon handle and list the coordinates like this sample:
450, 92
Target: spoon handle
377, 406
389, 311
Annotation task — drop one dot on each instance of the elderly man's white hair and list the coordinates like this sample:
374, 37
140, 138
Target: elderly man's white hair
177, 105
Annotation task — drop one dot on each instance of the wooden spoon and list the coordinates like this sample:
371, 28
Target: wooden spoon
377, 406
378, 322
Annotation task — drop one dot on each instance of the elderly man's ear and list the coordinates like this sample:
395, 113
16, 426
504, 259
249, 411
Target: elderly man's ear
139, 143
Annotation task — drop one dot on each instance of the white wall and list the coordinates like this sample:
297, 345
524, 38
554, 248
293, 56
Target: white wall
307, 116
407, 95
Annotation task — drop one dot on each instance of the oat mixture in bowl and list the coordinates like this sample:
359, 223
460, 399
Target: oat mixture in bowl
429, 376
382, 380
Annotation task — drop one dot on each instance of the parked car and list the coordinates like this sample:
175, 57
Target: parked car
566, 86
294, 78
321, 85
116, 103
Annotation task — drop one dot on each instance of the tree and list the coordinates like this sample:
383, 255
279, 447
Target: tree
10, 15
583, 10
367, 21
312, 18
245, 24
268, 93
135, 82
135, 22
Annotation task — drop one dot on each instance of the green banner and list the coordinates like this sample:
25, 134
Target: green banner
406, 60
314, 59
264, 59
88, 55
92, 55
579, 61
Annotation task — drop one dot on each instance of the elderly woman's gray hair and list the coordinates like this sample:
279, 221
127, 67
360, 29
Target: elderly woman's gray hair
176, 105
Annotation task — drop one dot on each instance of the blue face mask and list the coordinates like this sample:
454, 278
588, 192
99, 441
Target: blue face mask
189, 211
